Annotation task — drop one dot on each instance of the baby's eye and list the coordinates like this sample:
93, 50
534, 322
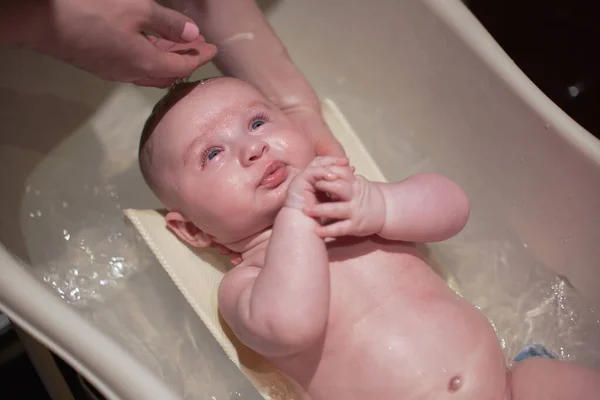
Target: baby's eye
212, 154
257, 124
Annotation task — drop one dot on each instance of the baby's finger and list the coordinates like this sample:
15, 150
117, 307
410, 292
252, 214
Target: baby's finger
336, 229
339, 189
342, 161
235, 260
318, 173
330, 211
344, 173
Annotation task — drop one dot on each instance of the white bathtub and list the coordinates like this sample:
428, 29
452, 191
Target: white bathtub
421, 82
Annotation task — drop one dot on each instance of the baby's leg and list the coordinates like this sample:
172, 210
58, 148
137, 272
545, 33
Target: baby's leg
547, 379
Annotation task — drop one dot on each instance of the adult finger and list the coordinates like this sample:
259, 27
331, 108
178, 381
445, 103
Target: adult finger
171, 24
178, 62
156, 83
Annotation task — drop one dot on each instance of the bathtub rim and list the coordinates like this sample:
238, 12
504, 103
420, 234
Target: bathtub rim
457, 16
97, 353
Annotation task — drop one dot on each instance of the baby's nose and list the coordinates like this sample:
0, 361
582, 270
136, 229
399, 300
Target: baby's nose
254, 151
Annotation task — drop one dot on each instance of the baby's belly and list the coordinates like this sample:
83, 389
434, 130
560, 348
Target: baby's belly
397, 331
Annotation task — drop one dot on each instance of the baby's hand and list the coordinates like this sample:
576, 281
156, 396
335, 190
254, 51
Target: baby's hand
302, 193
358, 205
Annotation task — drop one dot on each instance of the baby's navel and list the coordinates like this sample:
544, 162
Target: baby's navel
455, 384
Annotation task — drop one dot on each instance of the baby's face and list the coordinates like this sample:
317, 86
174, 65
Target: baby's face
228, 156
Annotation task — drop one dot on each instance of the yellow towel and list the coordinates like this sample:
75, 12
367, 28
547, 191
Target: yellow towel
198, 273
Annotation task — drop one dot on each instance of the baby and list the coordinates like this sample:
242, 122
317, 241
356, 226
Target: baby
331, 289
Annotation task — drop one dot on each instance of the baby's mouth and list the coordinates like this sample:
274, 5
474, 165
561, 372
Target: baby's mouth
275, 174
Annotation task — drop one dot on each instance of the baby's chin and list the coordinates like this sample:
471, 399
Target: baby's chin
241, 241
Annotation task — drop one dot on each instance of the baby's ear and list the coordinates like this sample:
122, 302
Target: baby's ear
186, 230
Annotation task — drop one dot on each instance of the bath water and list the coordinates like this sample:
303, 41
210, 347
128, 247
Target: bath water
80, 245
525, 301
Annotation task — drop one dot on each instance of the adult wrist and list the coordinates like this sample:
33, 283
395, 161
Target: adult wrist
25, 23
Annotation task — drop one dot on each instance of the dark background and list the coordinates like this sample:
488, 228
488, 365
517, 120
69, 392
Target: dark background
556, 44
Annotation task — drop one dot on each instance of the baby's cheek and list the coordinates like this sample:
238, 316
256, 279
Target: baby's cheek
228, 188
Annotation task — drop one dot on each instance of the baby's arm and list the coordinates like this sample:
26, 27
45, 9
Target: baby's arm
283, 308
425, 207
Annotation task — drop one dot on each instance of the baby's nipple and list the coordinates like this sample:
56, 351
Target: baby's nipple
455, 384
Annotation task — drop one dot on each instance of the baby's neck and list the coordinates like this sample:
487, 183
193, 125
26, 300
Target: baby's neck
253, 247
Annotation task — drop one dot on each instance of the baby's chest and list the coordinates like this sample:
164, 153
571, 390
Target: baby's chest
370, 280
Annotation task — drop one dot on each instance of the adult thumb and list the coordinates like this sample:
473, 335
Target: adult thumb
171, 25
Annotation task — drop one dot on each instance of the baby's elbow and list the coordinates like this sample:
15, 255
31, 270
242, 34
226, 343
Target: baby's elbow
287, 336
298, 328
455, 205
295, 339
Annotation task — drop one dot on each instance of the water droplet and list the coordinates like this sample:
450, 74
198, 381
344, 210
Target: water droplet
65, 204
547, 126
37, 192
27, 188
522, 159
38, 213
66, 234
525, 245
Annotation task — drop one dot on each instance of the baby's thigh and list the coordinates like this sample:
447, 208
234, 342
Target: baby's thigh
546, 379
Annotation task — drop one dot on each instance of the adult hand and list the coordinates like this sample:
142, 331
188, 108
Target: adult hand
106, 38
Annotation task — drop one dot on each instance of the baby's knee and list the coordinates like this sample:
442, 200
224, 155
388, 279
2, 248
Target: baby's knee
543, 378
526, 378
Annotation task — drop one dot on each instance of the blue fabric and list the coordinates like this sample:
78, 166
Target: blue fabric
534, 350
